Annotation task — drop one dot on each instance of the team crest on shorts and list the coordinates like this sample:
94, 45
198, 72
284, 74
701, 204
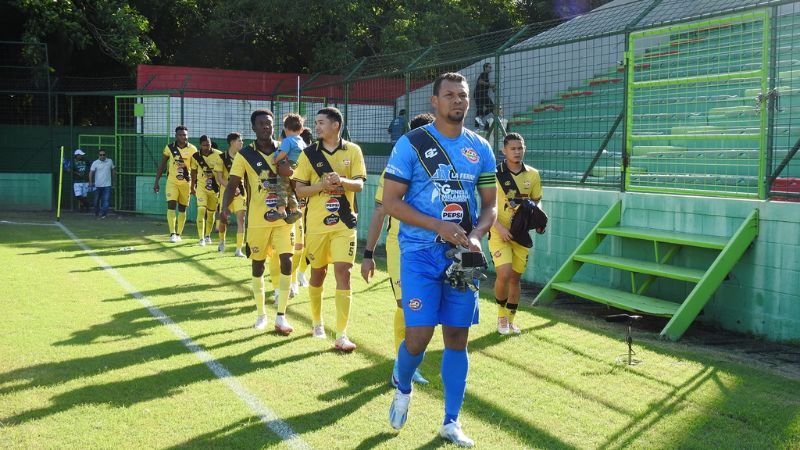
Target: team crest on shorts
471, 155
310, 256
415, 304
254, 249
498, 254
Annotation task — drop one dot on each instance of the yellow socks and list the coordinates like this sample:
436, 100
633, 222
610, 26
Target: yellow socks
399, 328
343, 298
295, 264
181, 221
201, 221
171, 220
222, 234
274, 270
258, 295
501, 308
239, 239
283, 296
315, 298
209, 221
511, 309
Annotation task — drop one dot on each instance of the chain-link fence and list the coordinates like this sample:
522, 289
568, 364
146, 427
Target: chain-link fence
679, 96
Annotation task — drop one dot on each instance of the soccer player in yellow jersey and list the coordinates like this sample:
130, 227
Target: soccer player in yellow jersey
254, 164
392, 258
515, 181
208, 162
179, 154
239, 203
329, 173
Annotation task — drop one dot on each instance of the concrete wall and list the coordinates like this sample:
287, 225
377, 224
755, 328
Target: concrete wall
761, 295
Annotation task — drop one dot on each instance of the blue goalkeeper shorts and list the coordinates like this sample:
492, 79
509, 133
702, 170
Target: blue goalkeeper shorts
428, 300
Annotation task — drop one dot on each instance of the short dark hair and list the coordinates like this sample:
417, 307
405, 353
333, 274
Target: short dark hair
485, 65
181, 128
333, 114
513, 137
293, 122
449, 76
204, 138
402, 112
233, 137
306, 135
260, 112
421, 119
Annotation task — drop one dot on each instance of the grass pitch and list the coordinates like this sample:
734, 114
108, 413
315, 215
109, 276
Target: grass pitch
84, 365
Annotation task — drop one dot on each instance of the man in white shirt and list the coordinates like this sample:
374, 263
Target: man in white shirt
101, 175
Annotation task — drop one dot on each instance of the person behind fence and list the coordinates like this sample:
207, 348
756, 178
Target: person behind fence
80, 180
239, 203
329, 173
483, 103
254, 165
516, 182
101, 178
392, 259
398, 126
178, 154
431, 182
206, 169
288, 154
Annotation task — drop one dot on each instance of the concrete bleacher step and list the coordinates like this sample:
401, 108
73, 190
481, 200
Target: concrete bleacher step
710, 183
644, 267
618, 299
639, 150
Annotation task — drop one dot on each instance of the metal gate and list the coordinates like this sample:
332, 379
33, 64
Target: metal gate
697, 115
142, 129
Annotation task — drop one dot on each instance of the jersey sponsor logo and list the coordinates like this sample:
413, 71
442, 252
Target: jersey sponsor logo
320, 164
445, 172
331, 220
452, 213
332, 205
431, 152
271, 200
447, 194
415, 304
471, 155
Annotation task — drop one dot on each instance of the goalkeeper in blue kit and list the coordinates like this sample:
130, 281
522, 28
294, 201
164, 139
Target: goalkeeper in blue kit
430, 186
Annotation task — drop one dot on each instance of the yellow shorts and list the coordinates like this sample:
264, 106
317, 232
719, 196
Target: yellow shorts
508, 253
239, 202
264, 241
299, 233
178, 192
206, 199
333, 247
393, 266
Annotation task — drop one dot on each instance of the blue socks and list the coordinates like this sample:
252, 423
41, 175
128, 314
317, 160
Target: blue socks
455, 365
406, 365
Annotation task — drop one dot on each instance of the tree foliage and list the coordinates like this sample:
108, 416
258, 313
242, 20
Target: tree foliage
269, 35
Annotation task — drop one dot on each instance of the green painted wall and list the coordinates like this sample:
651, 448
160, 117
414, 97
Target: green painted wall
26, 191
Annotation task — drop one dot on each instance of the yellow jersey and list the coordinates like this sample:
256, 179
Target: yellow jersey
393, 228
205, 178
529, 184
178, 169
226, 173
261, 187
322, 209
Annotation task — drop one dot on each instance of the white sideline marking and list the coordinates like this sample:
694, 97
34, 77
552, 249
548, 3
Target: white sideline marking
35, 224
267, 416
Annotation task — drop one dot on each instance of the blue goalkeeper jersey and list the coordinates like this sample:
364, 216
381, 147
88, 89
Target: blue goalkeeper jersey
469, 161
